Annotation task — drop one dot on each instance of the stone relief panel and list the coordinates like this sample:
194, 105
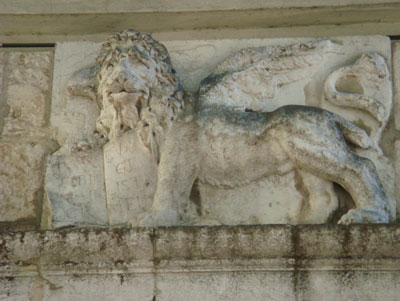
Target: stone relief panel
25, 139
232, 155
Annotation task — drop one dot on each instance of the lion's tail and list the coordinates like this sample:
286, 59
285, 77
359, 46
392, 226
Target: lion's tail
353, 133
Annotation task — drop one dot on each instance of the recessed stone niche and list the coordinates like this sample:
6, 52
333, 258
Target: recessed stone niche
83, 168
113, 182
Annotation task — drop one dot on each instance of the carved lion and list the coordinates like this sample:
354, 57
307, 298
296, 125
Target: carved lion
137, 89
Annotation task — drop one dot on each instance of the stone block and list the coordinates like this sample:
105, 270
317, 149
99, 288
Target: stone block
27, 92
396, 83
21, 179
73, 117
121, 286
225, 285
131, 178
316, 262
75, 188
348, 284
222, 242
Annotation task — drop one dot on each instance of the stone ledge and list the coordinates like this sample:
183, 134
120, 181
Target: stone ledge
105, 6
270, 262
50, 23
202, 244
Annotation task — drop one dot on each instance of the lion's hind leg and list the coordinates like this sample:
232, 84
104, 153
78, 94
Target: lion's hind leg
331, 159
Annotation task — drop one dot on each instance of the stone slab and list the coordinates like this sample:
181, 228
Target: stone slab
75, 189
358, 262
65, 6
212, 19
396, 83
21, 179
225, 286
27, 92
130, 177
73, 117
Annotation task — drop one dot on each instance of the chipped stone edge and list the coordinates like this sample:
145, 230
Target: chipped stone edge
209, 249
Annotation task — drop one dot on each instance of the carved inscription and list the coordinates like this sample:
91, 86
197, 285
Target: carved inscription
131, 177
75, 188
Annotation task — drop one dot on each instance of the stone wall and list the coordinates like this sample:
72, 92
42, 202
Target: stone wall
73, 205
203, 263
25, 139
84, 184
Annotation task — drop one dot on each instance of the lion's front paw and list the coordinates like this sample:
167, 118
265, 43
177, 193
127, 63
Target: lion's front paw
370, 216
351, 217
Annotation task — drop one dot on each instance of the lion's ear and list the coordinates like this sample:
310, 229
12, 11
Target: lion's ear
83, 83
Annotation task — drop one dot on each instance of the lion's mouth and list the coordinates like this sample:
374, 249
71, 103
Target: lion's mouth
124, 97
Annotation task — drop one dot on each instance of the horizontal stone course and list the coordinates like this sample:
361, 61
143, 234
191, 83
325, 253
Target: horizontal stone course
263, 262
201, 243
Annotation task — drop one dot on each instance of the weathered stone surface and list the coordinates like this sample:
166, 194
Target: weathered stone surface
313, 262
85, 258
226, 285
27, 94
228, 242
3, 102
396, 83
344, 75
1, 71
73, 117
122, 286
21, 178
397, 173
25, 139
131, 178
75, 188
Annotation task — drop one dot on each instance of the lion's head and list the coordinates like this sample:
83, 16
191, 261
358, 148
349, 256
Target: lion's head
137, 88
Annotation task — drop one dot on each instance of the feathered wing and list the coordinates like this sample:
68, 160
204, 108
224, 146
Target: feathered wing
251, 76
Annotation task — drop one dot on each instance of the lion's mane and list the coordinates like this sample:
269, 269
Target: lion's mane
164, 97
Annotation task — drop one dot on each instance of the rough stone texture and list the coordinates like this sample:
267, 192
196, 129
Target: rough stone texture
79, 167
396, 115
75, 189
28, 76
130, 178
49, 21
203, 263
3, 102
396, 83
21, 179
73, 117
345, 75
26, 140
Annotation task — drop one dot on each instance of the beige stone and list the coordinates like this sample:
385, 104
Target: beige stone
180, 20
1, 71
27, 92
396, 83
27, 109
397, 173
21, 179
131, 178
75, 188
26, 141
358, 262
73, 117
285, 72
